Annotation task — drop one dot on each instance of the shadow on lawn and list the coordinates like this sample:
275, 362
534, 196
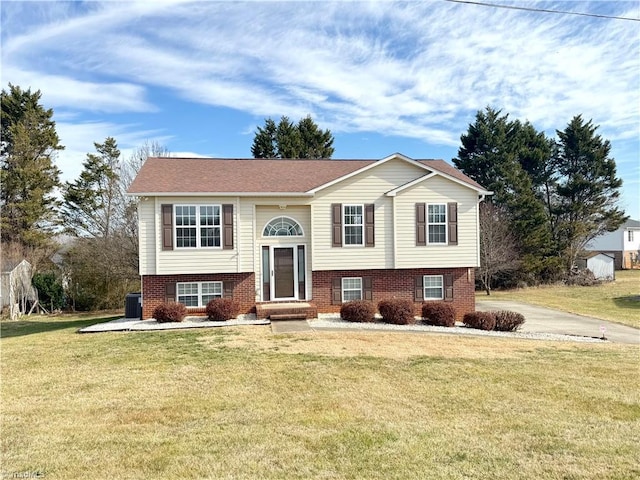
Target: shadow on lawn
630, 301
20, 328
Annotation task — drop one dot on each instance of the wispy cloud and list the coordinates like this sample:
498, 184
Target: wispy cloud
409, 67
79, 137
69, 93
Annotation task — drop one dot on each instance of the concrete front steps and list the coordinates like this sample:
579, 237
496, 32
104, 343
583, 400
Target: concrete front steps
286, 311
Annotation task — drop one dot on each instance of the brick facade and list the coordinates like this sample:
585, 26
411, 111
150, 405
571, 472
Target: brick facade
386, 284
153, 289
399, 284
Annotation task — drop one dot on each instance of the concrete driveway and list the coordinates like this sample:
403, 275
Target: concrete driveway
547, 320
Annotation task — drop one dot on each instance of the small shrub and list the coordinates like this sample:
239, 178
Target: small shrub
397, 311
480, 320
222, 309
507, 321
170, 312
440, 314
358, 311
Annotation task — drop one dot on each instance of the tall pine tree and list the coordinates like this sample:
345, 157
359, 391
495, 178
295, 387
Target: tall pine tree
587, 188
498, 153
93, 203
28, 174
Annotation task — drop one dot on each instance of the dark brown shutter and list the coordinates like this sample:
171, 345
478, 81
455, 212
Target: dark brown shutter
227, 289
336, 224
369, 221
266, 274
452, 219
421, 225
167, 227
418, 294
227, 227
302, 286
170, 292
336, 291
367, 288
448, 287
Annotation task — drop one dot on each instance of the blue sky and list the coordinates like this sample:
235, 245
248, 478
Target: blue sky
385, 77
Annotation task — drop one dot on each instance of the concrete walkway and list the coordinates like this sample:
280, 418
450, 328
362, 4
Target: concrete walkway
546, 320
129, 324
290, 326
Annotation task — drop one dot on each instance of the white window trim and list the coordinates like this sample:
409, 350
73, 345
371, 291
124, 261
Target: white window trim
342, 289
446, 224
283, 236
345, 225
200, 294
425, 286
197, 226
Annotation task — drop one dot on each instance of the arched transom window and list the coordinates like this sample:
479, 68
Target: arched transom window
282, 227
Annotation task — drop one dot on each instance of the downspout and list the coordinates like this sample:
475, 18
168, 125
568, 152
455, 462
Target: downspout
482, 197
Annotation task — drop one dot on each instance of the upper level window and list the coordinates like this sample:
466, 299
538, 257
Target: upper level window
353, 226
437, 223
197, 226
630, 235
282, 227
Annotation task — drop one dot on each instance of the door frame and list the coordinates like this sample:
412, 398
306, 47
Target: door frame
272, 273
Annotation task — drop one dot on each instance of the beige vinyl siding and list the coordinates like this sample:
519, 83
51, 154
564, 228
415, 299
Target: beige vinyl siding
437, 190
245, 235
367, 187
146, 237
197, 260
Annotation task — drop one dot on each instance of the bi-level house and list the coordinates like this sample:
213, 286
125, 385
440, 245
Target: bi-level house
316, 231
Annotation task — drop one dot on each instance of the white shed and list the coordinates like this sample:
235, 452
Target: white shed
16, 290
600, 264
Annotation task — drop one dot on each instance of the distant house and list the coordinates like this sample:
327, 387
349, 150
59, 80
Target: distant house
16, 290
600, 264
318, 232
623, 244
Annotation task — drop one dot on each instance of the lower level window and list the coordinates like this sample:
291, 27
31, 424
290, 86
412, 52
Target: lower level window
198, 294
351, 289
433, 287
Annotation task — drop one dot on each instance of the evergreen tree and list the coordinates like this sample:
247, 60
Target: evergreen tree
485, 154
316, 143
93, 203
289, 140
500, 154
587, 190
27, 174
264, 142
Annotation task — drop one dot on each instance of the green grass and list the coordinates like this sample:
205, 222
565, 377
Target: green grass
618, 301
243, 403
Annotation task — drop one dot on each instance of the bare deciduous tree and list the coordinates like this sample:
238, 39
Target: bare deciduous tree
498, 251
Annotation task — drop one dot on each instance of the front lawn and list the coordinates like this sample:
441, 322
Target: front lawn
242, 403
618, 301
